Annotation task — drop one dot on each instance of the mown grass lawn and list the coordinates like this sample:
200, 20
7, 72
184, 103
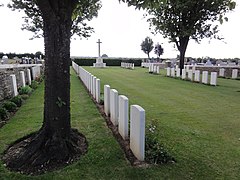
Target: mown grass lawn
199, 125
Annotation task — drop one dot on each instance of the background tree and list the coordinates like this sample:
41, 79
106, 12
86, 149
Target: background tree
182, 20
56, 143
147, 46
38, 54
104, 55
158, 50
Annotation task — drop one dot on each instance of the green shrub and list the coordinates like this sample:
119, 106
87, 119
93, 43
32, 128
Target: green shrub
154, 151
101, 99
25, 90
39, 78
10, 106
34, 84
17, 100
3, 113
24, 96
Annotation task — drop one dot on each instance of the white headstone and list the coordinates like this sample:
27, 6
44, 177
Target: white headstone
172, 72
94, 87
89, 81
155, 69
22, 79
234, 73
107, 99
79, 70
168, 71
29, 76
205, 77
114, 106
178, 72
36, 72
91, 84
158, 70
193, 68
152, 67
213, 80
98, 90
14, 84
123, 117
197, 76
190, 75
221, 72
137, 132
183, 74
149, 69
86, 78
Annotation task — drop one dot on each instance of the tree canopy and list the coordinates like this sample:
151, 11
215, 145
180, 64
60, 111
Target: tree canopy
158, 50
33, 21
193, 18
147, 46
182, 20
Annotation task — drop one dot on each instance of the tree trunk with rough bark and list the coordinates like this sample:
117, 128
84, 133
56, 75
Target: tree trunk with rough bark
182, 47
55, 144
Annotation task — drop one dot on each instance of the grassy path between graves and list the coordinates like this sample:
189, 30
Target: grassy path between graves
199, 125
202, 137
104, 160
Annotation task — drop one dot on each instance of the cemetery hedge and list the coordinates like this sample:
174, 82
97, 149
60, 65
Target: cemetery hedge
108, 61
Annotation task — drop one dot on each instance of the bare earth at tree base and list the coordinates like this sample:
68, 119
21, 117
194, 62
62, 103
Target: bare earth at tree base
38, 153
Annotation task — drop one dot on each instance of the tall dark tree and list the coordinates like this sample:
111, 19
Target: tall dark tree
56, 143
158, 50
182, 20
147, 46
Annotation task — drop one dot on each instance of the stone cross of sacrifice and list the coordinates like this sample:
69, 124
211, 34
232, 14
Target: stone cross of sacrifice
99, 44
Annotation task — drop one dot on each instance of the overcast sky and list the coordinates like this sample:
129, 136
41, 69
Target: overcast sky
121, 30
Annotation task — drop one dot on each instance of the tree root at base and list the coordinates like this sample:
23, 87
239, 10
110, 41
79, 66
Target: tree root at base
38, 153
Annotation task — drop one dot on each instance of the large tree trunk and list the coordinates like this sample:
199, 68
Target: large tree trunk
57, 28
55, 144
183, 42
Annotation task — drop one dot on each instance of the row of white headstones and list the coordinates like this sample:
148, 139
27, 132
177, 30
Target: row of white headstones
221, 71
194, 75
35, 73
117, 108
127, 65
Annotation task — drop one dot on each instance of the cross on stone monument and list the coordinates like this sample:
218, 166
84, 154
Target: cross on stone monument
99, 44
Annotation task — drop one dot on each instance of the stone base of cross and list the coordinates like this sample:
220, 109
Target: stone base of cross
99, 63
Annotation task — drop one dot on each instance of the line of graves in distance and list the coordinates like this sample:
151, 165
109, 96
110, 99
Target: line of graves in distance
32, 74
23, 60
18, 94
190, 73
127, 65
116, 107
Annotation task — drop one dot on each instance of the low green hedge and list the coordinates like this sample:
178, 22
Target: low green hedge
109, 62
